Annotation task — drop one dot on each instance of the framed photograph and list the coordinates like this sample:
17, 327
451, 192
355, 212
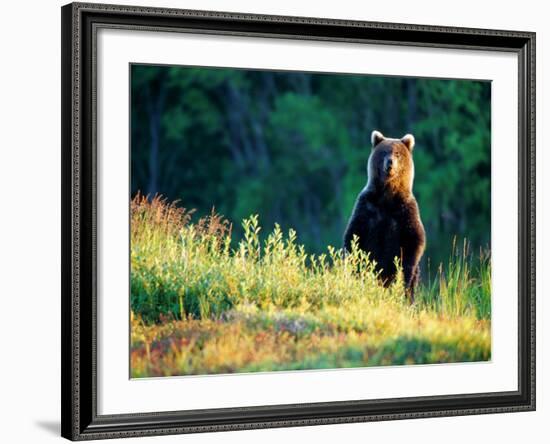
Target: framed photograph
280, 221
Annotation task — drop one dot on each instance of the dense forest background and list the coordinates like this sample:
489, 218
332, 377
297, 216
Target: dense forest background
292, 147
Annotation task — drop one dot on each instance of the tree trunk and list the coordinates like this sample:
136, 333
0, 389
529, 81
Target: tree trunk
155, 109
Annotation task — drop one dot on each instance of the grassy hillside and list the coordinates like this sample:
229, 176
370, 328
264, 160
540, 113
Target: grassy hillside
199, 306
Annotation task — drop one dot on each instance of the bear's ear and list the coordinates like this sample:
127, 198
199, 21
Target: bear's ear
408, 141
376, 137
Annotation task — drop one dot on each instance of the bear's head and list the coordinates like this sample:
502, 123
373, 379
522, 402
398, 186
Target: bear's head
390, 166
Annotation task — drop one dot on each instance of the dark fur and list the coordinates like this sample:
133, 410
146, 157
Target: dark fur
386, 217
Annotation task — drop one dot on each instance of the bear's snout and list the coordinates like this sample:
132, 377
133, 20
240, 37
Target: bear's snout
389, 164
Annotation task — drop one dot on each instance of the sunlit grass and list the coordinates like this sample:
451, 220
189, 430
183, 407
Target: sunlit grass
201, 306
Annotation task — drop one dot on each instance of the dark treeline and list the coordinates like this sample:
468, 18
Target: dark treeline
293, 147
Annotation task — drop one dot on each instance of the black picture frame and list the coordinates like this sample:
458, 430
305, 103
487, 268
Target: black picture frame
80, 420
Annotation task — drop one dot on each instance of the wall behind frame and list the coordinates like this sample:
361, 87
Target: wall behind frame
30, 222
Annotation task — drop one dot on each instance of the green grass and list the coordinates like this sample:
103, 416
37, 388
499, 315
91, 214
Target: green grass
201, 306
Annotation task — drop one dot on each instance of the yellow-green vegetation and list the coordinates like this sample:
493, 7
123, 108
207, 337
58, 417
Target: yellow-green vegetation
201, 306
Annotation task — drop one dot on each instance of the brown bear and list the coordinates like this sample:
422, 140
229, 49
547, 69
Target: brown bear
385, 217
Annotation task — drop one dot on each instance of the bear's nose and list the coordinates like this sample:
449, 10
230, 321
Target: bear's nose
388, 163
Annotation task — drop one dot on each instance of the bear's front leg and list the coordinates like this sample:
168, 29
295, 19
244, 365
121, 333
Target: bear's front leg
358, 223
411, 255
411, 275
413, 241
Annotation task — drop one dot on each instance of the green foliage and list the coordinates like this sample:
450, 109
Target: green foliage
200, 306
293, 147
459, 287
